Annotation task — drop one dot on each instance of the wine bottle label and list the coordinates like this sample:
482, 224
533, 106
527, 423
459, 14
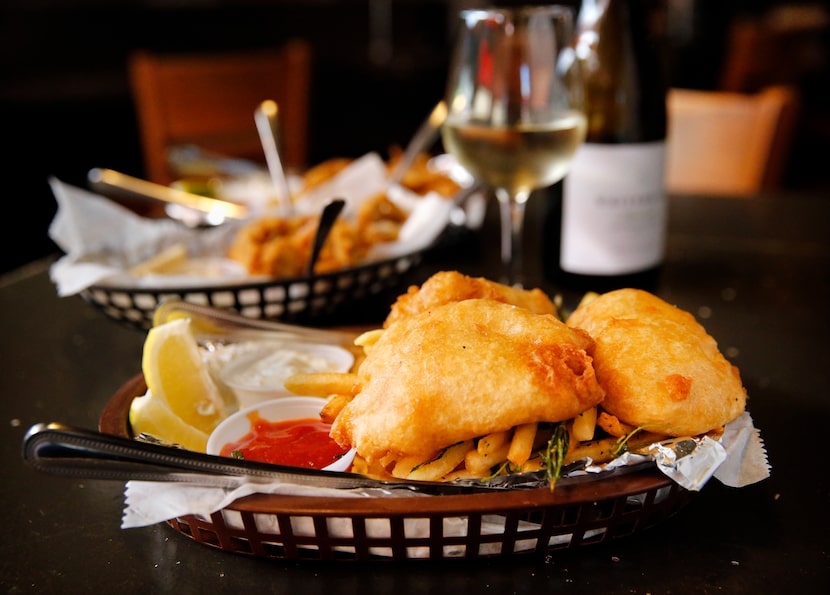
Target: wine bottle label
614, 209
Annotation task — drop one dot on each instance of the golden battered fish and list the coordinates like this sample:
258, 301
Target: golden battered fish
659, 367
451, 286
461, 370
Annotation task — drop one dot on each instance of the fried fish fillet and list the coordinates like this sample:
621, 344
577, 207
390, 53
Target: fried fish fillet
451, 286
462, 370
659, 367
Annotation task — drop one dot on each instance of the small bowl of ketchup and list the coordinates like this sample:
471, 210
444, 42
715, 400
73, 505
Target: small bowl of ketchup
282, 431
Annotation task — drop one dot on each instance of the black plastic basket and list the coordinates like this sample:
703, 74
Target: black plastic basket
322, 299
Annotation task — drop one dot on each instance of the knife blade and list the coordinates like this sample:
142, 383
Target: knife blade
108, 181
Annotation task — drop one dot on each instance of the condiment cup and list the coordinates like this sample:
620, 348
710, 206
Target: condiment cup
260, 376
238, 424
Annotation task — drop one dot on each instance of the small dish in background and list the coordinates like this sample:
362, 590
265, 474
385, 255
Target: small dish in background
260, 375
239, 424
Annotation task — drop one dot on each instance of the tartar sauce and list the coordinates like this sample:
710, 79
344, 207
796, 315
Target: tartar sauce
273, 368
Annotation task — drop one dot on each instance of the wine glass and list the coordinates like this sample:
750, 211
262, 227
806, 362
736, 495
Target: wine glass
513, 117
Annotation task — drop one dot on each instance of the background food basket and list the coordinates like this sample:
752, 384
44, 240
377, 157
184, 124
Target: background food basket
334, 297
505, 523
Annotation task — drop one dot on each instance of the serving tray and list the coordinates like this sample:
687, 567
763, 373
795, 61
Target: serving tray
469, 526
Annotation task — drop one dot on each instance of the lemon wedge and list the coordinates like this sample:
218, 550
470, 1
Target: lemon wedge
149, 415
165, 262
178, 376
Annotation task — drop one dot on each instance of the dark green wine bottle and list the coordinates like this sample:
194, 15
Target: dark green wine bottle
606, 221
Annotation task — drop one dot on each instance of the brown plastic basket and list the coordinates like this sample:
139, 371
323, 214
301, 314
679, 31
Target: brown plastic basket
505, 523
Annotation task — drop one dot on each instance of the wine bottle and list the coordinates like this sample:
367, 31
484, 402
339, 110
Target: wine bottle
606, 221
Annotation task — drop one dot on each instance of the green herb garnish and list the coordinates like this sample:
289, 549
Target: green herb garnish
622, 442
554, 455
505, 468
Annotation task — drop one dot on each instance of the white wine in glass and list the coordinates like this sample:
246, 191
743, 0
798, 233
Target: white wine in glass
514, 121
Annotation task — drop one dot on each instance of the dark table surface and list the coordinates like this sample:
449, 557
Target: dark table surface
755, 272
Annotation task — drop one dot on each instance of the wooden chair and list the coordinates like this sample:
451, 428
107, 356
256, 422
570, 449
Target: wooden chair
208, 100
785, 46
729, 144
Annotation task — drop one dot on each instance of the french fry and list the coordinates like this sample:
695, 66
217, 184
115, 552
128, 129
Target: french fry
460, 473
333, 407
606, 449
476, 464
387, 460
584, 425
521, 446
401, 468
612, 425
642, 439
481, 464
492, 442
587, 297
368, 338
364, 467
323, 384
533, 464
599, 451
360, 465
436, 468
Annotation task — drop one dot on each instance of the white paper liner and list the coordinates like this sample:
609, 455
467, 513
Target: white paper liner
102, 240
737, 460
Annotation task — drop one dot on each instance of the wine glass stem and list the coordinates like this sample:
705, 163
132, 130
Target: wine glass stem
512, 210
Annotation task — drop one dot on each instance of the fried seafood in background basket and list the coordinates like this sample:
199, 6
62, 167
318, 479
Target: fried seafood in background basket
323, 172
659, 367
420, 178
280, 247
462, 370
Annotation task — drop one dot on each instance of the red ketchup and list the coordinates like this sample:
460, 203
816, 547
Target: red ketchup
294, 442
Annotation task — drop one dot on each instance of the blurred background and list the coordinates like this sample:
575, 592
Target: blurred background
379, 67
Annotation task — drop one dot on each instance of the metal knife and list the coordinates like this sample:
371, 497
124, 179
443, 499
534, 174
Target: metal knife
107, 181
58, 449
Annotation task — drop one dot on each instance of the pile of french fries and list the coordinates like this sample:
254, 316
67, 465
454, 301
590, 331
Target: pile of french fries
593, 434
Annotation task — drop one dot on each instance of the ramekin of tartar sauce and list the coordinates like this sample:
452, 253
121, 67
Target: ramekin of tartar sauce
259, 375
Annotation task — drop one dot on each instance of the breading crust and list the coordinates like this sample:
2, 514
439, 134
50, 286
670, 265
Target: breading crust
451, 286
659, 367
465, 369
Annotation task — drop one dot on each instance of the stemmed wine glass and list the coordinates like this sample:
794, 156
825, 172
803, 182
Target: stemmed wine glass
513, 117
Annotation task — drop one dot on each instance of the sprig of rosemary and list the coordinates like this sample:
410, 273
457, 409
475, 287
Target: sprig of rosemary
622, 443
506, 468
554, 455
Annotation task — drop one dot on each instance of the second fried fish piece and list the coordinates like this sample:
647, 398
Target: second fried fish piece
451, 286
659, 367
